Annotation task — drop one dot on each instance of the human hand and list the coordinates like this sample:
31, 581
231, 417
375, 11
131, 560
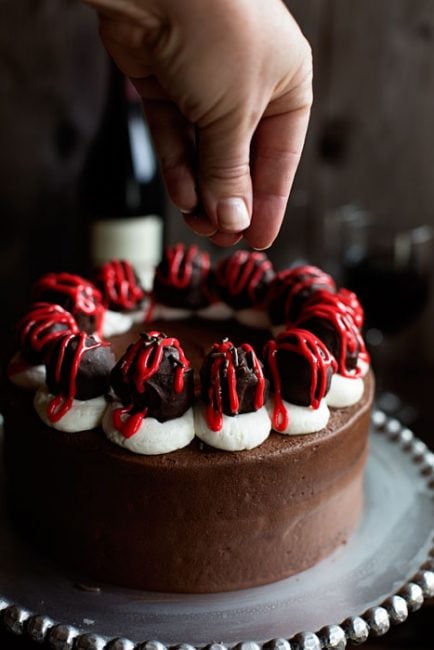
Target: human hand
226, 88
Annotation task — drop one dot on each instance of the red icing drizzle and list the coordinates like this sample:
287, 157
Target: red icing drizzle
316, 354
224, 356
36, 327
243, 271
330, 308
352, 303
60, 404
180, 265
86, 298
294, 281
140, 362
121, 287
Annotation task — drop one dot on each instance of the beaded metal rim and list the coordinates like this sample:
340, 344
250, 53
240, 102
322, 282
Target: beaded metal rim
355, 630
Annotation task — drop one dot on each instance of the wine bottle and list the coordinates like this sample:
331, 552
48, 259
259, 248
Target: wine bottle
121, 188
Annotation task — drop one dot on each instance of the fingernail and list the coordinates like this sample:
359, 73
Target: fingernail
232, 215
205, 234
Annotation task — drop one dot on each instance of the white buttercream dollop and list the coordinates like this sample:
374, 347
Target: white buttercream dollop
164, 312
344, 391
216, 311
257, 318
238, 432
363, 366
153, 437
276, 329
303, 419
83, 414
115, 322
26, 376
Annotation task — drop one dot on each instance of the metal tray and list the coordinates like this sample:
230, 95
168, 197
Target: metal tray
384, 572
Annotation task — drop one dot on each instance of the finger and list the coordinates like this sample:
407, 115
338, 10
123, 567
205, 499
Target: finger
276, 151
199, 223
225, 239
224, 174
126, 44
173, 137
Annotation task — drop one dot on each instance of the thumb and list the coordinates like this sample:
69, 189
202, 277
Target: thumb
224, 174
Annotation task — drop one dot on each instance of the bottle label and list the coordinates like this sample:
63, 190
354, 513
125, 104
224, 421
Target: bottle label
137, 239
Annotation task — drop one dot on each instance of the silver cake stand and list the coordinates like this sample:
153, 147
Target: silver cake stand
384, 572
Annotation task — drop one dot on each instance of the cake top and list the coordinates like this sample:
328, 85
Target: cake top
240, 395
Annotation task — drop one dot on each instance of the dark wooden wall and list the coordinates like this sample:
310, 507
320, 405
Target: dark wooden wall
370, 142
371, 136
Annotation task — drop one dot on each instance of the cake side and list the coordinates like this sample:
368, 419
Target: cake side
197, 520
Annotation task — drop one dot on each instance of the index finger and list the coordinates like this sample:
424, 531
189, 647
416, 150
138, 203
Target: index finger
276, 152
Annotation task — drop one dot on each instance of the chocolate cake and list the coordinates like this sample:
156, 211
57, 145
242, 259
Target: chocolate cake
218, 462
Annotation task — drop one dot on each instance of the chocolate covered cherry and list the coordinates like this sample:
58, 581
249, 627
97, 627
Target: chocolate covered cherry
242, 279
289, 290
79, 366
232, 382
182, 278
76, 295
154, 377
326, 316
300, 370
37, 330
120, 286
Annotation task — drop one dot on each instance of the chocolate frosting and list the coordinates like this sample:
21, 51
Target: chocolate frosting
246, 379
183, 278
91, 378
157, 394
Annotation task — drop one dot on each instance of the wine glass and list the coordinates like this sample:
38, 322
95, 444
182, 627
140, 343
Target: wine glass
389, 266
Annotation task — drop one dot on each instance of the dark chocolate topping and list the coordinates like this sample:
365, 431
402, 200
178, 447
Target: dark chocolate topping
79, 367
326, 316
153, 376
40, 327
182, 278
119, 285
290, 289
76, 295
299, 367
216, 382
242, 279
